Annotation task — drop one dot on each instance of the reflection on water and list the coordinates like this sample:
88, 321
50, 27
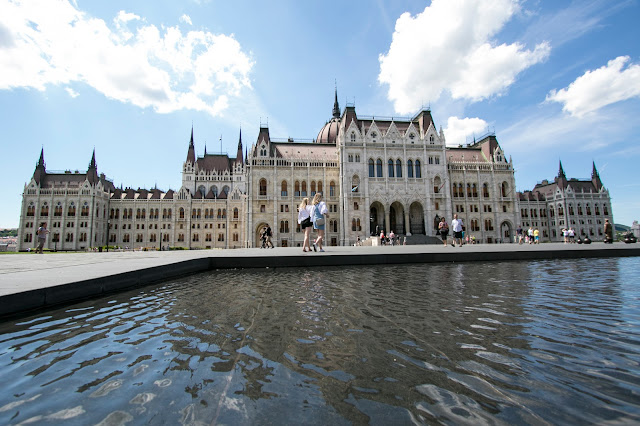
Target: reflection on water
513, 342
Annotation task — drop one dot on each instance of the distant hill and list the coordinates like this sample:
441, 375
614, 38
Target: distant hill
9, 232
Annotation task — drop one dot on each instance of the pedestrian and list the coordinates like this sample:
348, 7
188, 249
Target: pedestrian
565, 235
382, 240
572, 235
320, 213
268, 235
404, 242
608, 232
530, 235
536, 235
456, 224
263, 237
304, 219
392, 237
42, 236
358, 242
519, 234
443, 227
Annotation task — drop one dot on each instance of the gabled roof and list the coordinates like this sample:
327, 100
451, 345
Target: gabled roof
215, 162
299, 150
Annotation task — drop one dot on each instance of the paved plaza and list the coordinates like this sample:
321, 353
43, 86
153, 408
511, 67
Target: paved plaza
31, 281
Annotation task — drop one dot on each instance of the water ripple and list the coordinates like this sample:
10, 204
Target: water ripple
480, 343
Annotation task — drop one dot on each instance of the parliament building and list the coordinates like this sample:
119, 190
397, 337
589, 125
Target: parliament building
376, 174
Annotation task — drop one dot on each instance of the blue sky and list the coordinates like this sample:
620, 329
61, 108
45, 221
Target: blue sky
555, 80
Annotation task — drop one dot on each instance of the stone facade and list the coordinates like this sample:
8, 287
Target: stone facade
376, 174
567, 203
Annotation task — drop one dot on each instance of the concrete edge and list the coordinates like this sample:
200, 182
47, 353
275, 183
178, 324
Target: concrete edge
33, 300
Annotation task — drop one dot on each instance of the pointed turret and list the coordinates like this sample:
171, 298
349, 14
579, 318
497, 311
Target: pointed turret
239, 153
561, 172
595, 178
561, 179
336, 107
92, 171
191, 153
41, 168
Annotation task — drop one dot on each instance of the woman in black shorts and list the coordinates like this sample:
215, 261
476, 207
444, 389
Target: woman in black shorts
304, 219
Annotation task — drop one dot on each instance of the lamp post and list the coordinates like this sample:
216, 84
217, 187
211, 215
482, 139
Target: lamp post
160, 243
108, 226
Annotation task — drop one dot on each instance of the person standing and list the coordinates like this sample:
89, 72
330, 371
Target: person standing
443, 227
392, 237
320, 213
457, 224
530, 235
608, 232
536, 235
268, 235
42, 236
304, 219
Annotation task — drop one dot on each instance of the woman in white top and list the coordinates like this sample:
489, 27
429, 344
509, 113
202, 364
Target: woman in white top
319, 212
304, 219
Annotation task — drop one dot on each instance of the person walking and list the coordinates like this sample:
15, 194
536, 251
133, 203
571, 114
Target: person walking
268, 235
530, 235
457, 224
443, 227
392, 238
536, 235
42, 237
304, 219
320, 213
519, 234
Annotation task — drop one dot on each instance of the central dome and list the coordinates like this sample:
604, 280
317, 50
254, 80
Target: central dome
329, 133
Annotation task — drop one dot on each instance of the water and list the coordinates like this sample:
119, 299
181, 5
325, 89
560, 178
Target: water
479, 343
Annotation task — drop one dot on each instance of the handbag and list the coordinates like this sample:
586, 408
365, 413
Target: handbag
319, 218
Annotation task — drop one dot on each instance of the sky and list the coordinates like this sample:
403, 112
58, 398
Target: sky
555, 80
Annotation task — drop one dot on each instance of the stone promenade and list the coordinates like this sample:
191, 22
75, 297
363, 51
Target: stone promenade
30, 281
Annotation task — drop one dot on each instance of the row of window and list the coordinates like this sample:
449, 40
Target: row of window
543, 212
394, 169
58, 211
299, 188
457, 190
374, 135
473, 208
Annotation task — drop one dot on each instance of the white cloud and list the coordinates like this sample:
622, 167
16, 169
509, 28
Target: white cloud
44, 42
186, 19
601, 87
450, 46
458, 129
71, 92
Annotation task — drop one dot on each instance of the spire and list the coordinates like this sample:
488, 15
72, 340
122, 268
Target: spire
595, 178
205, 149
239, 153
561, 172
336, 107
41, 169
41, 160
561, 180
191, 153
92, 164
92, 171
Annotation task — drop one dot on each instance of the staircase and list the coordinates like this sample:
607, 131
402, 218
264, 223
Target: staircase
411, 240
422, 239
